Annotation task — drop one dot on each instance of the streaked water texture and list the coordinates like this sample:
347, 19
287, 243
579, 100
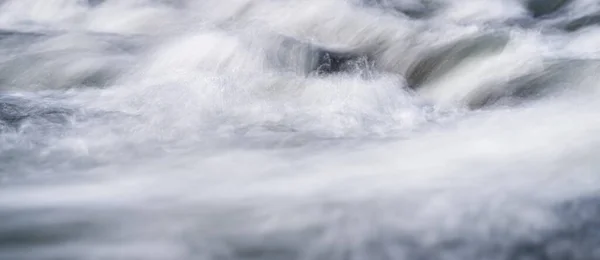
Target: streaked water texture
299, 129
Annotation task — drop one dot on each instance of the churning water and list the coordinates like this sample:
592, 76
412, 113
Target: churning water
299, 129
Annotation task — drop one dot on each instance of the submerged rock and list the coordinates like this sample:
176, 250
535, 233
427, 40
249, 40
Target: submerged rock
412, 9
574, 237
439, 75
452, 75
449, 57
94, 3
285, 53
539, 8
15, 111
56, 60
557, 76
9, 33
10, 39
307, 58
581, 22
334, 62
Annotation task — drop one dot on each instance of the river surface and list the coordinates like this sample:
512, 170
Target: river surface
299, 129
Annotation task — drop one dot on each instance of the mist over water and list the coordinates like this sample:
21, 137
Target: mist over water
306, 129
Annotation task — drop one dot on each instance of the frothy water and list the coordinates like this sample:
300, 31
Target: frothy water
261, 129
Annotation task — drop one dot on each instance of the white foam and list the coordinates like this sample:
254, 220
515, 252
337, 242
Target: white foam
202, 138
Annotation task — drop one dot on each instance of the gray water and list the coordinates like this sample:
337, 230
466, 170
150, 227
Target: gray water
305, 129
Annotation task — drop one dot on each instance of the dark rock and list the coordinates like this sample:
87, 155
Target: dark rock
443, 60
557, 76
290, 54
334, 62
539, 8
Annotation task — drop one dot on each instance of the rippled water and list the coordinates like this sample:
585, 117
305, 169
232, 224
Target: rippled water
306, 129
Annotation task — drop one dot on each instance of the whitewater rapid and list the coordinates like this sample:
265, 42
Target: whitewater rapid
306, 129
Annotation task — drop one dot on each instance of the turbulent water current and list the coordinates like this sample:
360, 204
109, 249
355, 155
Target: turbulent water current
299, 129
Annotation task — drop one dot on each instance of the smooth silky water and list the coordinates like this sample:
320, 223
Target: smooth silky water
306, 129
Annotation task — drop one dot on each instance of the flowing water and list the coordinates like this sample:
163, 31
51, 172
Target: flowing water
299, 129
